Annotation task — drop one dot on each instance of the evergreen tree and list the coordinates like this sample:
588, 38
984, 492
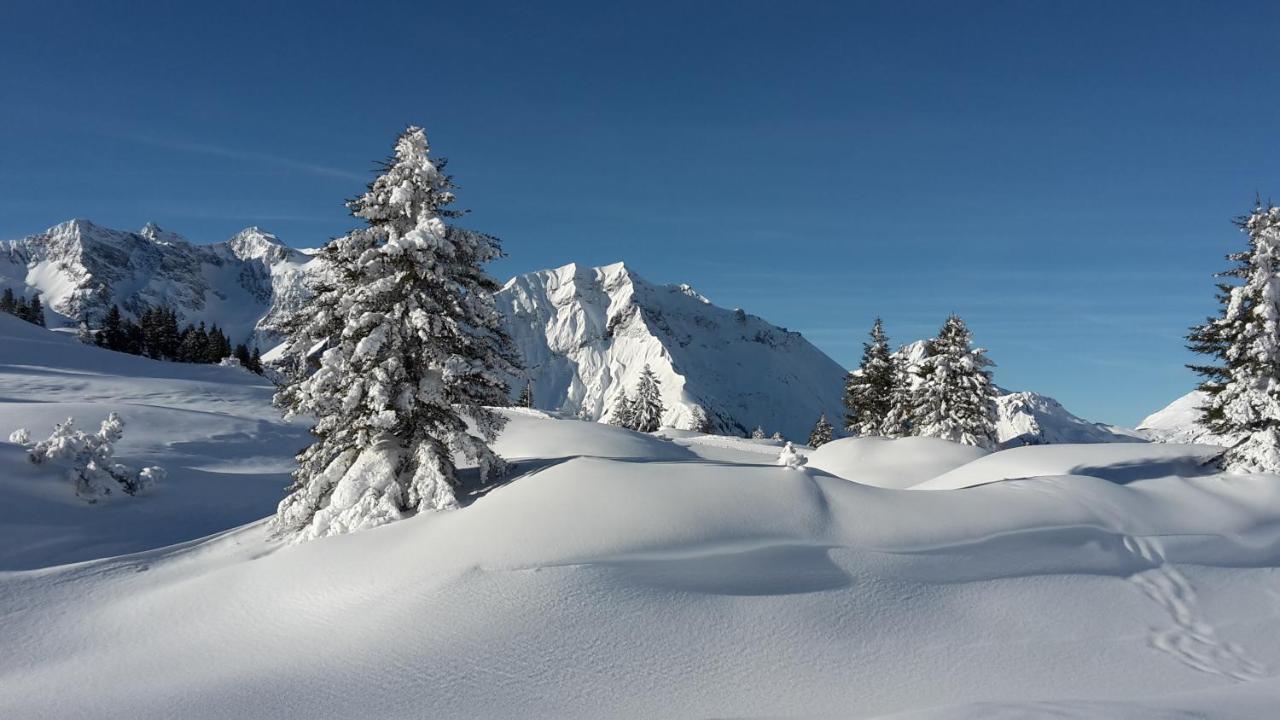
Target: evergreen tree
758, 433
620, 415
413, 347
955, 399
8, 303
898, 421
191, 346
868, 390
35, 311
526, 396
130, 337
242, 355
1242, 379
700, 422
255, 361
646, 413
20, 308
84, 333
111, 336
821, 433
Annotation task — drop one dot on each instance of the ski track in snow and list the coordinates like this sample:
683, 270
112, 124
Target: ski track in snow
1192, 640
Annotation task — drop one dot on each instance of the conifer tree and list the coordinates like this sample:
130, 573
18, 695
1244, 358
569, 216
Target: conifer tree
646, 409
868, 390
700, 422
20, 308
8, 303
955, 399
35, 311
111, 336
1242, 379
241, 354
526, 396
821, 433
898, 421
758, 433
255, 360
620, 413
413, 347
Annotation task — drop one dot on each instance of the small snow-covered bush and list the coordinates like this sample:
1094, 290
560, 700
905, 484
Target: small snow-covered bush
88, 459
20, 436
790, 458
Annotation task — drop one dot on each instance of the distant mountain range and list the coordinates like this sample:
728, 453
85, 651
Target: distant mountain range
585, 333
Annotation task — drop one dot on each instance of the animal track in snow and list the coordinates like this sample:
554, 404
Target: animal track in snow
1191, 640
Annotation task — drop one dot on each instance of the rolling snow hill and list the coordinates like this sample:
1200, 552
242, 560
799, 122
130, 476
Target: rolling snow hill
623, 575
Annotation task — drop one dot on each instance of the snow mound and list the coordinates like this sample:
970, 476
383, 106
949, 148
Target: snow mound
892, 463
1117, 463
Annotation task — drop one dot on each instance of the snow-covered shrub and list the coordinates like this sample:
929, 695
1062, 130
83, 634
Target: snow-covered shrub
20, 436
88, 459
790, 458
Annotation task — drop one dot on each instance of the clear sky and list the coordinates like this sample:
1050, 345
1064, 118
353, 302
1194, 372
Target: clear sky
1062, 174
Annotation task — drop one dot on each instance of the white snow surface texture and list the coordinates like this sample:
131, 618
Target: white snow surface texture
622, 575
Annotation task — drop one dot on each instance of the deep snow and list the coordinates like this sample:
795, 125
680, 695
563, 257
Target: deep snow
624, 575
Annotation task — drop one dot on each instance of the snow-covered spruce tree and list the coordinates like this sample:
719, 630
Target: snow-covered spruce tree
898, 421
955, 399
700, 422
620, 413
1243, 379
412, 347
526, 396
821, 433
646, 409
758, 433
868, 390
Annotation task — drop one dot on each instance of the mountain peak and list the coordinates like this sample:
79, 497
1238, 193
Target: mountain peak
156, 234
254, 243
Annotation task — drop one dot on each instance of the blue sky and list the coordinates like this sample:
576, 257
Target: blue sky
1063, 175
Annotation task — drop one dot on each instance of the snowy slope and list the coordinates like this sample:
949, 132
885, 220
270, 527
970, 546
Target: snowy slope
226, 451
586, 333
1179, 422
623, 575
80, 268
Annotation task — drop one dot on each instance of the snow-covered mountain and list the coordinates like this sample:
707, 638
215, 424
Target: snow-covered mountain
1029, 418
80, 269
1179, 422
586, 333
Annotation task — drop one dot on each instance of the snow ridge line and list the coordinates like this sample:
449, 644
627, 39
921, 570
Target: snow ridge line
1192, 640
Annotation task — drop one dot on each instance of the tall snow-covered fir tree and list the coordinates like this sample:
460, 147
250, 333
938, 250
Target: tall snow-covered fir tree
410, 347
620, 415
1243, 379
646, 408
955, 399
821, 433
868, 390
898, 421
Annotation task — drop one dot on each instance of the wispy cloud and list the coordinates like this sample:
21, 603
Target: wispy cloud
247, 155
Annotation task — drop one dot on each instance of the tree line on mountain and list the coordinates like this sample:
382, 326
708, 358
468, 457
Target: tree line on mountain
158, 335
32, 311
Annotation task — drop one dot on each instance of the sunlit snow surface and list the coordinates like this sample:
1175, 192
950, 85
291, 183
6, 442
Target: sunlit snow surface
622, 575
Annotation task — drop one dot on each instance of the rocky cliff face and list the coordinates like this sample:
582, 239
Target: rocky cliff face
586, 334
